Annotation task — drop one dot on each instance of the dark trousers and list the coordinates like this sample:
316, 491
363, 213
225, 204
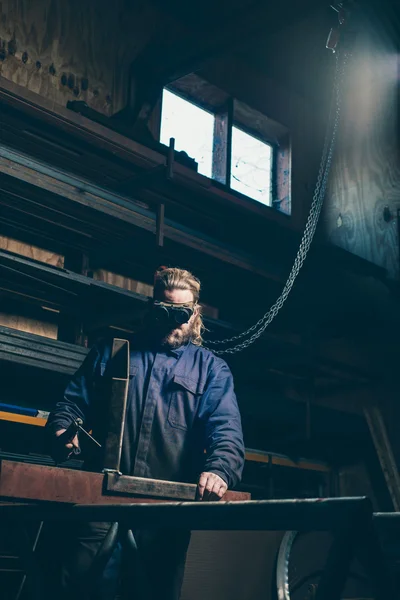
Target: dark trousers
155, 570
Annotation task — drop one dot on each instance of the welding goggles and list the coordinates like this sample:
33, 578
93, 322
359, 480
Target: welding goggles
168, 314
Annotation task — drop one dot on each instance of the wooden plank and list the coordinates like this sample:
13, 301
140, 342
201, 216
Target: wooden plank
82, 128
69, 283
119, 207
29, 325
54, 484
121, 281
30, 251
118, 146
284, 461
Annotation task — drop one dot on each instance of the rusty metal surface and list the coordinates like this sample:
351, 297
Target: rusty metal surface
21, 481
139, 486
117, 409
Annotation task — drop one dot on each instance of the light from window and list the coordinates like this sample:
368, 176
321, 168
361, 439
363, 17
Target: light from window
191, 126
251, 166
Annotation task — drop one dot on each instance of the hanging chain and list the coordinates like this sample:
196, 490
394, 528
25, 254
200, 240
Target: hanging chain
254, 332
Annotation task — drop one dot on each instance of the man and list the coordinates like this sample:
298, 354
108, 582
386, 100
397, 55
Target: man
182, 423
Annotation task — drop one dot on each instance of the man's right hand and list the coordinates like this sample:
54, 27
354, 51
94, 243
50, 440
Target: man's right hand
62, 453
74, 443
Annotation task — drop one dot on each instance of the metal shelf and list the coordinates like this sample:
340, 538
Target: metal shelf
40, 352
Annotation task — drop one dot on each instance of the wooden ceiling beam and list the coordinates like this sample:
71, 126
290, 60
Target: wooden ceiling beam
167, 60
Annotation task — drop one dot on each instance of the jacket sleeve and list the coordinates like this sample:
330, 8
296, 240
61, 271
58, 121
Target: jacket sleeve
224, 438
79, 394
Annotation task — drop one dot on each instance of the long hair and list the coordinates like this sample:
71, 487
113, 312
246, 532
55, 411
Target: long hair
172, 278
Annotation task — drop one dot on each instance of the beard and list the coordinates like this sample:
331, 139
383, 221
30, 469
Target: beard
176, 338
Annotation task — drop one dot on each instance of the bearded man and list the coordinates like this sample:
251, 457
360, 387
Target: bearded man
182, 424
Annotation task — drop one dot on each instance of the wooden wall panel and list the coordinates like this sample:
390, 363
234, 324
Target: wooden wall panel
75, 50
364, 192
123, 282
50, 258
49, 330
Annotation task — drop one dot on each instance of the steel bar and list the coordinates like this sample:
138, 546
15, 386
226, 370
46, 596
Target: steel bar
263, 515
82, 192
146, 178
35, 483
140, 486
119, 371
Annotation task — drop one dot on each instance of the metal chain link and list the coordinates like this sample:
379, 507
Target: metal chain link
315, 210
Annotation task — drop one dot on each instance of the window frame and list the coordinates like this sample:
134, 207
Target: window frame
230, 112
273, 147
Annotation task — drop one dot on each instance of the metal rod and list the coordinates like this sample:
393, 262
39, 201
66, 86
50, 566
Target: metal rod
119, 371
89, 436
43, 281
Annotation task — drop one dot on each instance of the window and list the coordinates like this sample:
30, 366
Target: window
191, 126
251, 166
223, 144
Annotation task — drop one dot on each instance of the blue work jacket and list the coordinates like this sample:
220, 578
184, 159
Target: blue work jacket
182, 415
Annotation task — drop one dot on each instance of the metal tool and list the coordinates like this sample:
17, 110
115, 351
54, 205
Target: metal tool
79, 424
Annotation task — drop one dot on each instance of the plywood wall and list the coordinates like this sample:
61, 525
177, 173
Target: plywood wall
365, 177
75, 49
22, 323
123, 282
30, 251
364, 193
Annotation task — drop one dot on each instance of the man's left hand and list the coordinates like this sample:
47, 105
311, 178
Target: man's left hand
210, 487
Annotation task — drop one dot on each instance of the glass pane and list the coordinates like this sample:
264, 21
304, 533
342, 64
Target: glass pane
251, 166
191, 126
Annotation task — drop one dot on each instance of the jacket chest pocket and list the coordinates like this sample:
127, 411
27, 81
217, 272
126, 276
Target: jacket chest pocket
184, 397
